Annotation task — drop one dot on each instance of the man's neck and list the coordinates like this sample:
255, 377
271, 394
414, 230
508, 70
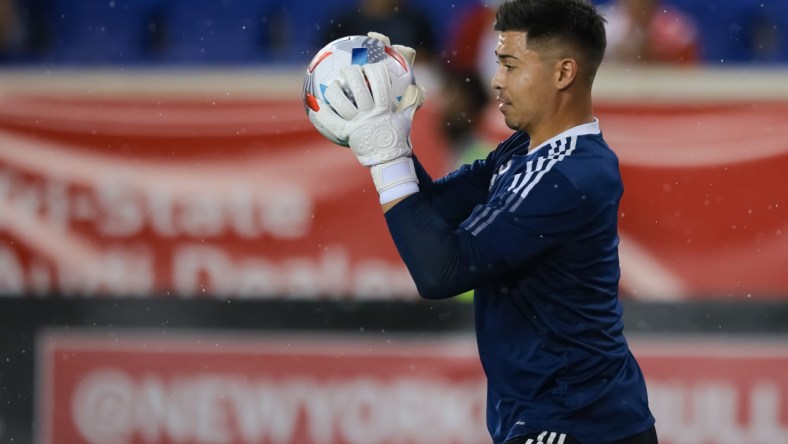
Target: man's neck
558, 123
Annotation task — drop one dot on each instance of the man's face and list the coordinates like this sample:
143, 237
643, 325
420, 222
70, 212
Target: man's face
523, 81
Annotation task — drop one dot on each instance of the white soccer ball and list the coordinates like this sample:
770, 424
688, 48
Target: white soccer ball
352, 50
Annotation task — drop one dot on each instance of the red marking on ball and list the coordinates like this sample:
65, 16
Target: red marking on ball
317, 60
311, 102
397, 56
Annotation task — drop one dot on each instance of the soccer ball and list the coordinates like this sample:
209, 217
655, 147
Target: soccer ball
352, 50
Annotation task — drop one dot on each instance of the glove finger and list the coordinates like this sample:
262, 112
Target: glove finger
336, 97
379, 84
407, 52
411, 100
355, 81
382, 37
328, 122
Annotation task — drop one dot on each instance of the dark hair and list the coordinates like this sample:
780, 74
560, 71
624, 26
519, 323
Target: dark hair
576, 22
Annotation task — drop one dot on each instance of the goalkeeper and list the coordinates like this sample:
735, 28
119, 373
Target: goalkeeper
532, 228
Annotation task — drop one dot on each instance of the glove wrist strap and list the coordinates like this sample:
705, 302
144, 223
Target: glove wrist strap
395, 179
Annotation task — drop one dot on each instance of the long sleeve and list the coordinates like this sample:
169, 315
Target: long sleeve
506, 233
443, 261
454, 196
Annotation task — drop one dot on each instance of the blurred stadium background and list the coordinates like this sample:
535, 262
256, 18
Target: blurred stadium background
183, 259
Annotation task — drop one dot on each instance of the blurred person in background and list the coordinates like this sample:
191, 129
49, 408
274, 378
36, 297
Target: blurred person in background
532, 228
467, 58
648, 31
461, 116
461, 111
12, 30
464, 72
404, 24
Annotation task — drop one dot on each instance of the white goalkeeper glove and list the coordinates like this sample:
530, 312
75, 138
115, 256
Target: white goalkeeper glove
406, 52
377, 128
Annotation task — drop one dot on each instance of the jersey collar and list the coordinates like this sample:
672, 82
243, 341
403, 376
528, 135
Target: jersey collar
579, 130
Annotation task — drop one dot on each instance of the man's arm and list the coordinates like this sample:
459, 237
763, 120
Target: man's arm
443, 261
455, 195
497, 238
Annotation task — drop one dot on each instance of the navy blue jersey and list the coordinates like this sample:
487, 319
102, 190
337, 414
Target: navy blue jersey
535, 234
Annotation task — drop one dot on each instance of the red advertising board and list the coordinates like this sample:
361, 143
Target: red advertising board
717, 391
192, 194
201, 388
217, 389
137, 197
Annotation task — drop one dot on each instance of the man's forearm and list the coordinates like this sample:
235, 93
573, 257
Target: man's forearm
442, 261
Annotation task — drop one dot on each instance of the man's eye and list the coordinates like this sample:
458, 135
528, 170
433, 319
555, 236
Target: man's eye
507, 67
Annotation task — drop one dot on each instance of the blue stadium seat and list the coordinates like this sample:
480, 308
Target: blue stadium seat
113, 32
442, 14
725, 28
99, 31
223, 31
310, 18
774, 16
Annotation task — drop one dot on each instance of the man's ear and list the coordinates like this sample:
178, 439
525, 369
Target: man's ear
565, 73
